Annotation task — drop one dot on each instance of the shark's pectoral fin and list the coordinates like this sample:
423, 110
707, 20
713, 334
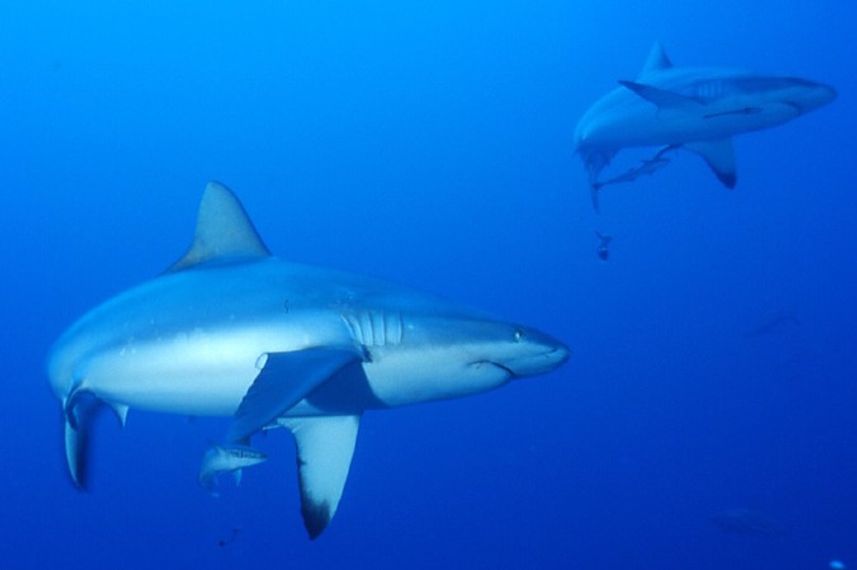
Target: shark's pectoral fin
720, 157
325, 446
663, 98
285, 379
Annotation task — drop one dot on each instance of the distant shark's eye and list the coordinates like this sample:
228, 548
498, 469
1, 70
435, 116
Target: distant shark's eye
519, 334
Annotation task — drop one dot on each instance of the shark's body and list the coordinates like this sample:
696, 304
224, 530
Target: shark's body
231, 330
698, 109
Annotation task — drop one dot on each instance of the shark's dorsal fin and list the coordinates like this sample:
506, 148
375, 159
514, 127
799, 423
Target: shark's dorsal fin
223, 231
658, 60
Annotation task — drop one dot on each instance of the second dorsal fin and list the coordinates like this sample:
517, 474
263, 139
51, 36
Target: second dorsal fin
223, 231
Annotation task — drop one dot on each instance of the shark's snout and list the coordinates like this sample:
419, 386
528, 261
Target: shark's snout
539, 353
807, 95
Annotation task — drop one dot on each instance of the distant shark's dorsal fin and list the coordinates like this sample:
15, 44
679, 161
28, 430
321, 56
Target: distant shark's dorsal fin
658, 60
325, 447
223, 231
663, 98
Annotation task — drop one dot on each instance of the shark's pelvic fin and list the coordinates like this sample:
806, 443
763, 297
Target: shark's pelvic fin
663, 98
657, 60
720, 157
223, 231
285, 379
120, 411
325, 446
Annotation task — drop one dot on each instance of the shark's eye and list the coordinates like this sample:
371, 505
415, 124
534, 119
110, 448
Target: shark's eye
519, 334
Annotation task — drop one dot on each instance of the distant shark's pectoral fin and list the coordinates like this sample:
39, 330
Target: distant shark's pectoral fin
286, 377
663, 98
223, 231
720, 157
325, 446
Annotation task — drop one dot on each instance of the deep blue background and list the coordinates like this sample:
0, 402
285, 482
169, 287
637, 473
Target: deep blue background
430, 143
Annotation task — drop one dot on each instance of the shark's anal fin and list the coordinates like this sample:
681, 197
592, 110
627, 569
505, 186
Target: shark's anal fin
325, 446
285, 379
663, 98
223, 231
720, 157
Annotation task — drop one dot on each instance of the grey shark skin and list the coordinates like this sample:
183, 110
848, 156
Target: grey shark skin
231, 330
698, 109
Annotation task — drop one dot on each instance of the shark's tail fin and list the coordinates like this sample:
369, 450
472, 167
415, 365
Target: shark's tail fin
80, 408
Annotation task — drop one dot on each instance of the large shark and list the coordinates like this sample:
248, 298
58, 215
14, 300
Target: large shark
696, 108
230, 330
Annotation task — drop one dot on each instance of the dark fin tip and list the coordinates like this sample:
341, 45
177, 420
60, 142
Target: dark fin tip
316, 517
728, 179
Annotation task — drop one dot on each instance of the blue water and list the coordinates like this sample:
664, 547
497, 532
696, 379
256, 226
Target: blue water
430, 143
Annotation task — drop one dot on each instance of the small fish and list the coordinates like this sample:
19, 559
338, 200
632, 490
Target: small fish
603, 250
646, 167
775, 322
747, 522
230, 539
226, 458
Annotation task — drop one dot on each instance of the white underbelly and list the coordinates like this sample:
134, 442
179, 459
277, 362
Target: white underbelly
194, 374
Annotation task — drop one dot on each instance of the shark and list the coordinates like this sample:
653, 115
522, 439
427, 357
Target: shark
698, 109
231, 330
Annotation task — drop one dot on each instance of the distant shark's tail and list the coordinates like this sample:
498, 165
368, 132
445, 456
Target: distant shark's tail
594, 190
595, 162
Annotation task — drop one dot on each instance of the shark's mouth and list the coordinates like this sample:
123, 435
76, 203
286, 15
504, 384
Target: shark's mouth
796, 106
511, 373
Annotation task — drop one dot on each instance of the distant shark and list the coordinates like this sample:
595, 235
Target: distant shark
698, 109
230, 330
